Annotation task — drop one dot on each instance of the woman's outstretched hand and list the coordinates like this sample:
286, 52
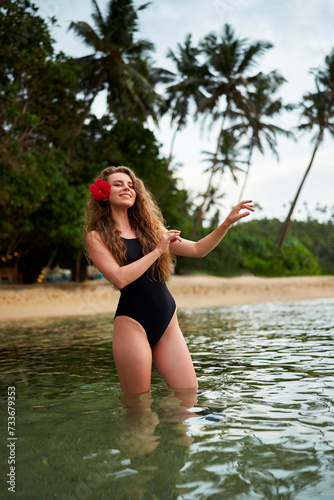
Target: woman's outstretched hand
167, 238
235, 214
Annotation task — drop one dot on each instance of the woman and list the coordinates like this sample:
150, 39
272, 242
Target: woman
129, 244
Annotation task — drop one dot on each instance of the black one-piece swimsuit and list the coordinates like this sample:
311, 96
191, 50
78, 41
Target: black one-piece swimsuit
144, 300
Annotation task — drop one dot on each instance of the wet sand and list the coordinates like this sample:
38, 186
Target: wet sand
19, 302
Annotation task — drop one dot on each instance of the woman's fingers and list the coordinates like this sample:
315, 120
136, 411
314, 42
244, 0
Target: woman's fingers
173, 232
174, 235
245, 205
167, 238
236, 213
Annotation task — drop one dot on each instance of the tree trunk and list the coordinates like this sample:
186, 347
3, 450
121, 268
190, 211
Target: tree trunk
54, 253
286, 223
169, 161
87, 110
77, 267
247, 172
201, 210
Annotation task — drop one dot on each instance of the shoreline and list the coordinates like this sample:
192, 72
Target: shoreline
38, 301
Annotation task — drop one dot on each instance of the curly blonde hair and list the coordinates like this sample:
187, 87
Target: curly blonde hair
145, 218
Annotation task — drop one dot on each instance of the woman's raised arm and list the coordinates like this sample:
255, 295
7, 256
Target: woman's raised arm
204, 246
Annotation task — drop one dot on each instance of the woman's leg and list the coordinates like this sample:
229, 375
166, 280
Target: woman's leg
172, 358
132, 354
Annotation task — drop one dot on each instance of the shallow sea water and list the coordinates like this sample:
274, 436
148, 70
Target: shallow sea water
261, 425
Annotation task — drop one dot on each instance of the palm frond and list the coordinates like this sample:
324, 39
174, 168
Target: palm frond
84, 31
98, 18
144, 6
252, 53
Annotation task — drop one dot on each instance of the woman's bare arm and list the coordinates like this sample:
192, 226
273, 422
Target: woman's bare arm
204, 246
121, 276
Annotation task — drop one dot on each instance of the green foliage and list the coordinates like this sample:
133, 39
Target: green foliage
293, 260
39, 103
319, 239
250, 247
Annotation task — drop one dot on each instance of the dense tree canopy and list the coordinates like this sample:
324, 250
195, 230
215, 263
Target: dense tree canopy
45, 167
38, 95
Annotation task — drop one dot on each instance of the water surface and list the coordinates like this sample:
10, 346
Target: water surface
261, 425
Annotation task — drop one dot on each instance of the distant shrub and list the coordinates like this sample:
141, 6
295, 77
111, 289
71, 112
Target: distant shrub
292, 260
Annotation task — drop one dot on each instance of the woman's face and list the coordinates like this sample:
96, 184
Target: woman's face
122, 192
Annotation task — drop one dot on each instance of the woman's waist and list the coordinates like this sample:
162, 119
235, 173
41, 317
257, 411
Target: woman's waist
143, 281
144, 286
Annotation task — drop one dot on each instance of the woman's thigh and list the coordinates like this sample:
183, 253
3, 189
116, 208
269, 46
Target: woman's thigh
172, 359
132, 355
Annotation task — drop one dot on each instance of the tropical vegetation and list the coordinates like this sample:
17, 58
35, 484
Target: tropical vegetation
53, 146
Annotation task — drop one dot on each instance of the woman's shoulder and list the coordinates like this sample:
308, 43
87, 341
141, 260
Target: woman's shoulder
91, 234
95, 242
93, 237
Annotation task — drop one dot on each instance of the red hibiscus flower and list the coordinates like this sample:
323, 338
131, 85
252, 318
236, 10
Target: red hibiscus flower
100, 190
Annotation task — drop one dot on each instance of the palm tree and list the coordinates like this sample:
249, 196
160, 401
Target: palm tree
119, 63
263, 106
229, 157
318, 111
190, 78
229, 61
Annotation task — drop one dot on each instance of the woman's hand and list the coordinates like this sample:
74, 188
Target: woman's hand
166, 239
235, 214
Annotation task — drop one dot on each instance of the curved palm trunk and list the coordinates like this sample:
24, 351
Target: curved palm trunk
286, 223
247, 172
169, 160
203, 208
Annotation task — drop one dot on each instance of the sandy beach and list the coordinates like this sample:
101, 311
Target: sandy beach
19, 302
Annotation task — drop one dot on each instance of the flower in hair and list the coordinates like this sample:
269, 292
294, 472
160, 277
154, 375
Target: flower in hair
100, 190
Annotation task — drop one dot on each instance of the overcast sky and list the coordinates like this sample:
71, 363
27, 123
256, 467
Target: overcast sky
302, 34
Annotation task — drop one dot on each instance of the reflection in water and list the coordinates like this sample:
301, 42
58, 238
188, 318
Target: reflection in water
157, 436
137, 421
261, 425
